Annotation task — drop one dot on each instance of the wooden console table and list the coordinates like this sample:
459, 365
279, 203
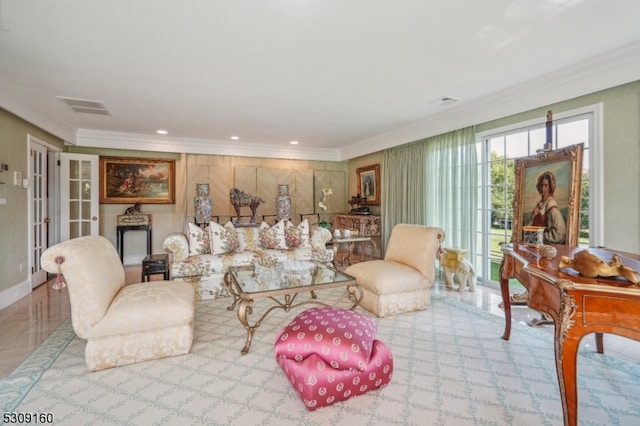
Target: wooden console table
365, 225
578, 306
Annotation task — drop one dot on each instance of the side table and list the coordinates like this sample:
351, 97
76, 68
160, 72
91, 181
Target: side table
351, 242
155, 264
121, 229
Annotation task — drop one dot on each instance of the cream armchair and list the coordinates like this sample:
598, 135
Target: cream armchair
402, 281
122, 324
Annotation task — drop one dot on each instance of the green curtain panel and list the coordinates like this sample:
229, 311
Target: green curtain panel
433, 182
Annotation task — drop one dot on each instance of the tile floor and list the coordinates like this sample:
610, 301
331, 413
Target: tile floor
29, 321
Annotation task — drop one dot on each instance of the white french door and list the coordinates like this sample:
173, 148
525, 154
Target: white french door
78, 195
39, 220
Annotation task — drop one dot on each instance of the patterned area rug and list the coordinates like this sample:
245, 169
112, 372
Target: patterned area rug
451, 368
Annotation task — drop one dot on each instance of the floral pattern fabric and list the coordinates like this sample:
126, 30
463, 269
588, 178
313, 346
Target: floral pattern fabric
292, 237
207, 270
222, 239
198, 240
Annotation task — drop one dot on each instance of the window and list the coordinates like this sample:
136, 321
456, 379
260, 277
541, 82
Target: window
498, 149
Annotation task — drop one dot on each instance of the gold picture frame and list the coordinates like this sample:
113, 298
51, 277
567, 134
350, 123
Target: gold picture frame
563, 167
369, 183
126, 180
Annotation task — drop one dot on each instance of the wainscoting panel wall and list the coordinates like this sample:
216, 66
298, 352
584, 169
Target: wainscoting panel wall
337, 202
261, 177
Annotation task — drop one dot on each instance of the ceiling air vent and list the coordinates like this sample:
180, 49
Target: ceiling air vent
86, 106
448, 100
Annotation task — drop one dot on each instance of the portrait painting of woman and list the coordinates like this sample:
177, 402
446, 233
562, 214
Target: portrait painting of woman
546, 212
548, 195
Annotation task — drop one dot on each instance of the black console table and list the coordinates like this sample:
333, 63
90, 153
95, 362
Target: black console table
124, 228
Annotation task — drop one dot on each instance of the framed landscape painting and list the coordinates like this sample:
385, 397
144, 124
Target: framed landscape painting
369, 183
548, 195
128, 180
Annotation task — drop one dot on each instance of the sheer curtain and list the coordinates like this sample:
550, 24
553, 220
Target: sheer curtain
452, 191
433, 182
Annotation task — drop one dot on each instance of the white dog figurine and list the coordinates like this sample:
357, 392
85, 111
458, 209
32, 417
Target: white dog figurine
462, 268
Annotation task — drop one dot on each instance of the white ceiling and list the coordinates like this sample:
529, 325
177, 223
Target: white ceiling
342, 77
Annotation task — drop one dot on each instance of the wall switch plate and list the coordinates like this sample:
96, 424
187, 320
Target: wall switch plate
3, 201
17, 178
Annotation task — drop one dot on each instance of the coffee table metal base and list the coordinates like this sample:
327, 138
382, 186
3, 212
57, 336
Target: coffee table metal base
245, 305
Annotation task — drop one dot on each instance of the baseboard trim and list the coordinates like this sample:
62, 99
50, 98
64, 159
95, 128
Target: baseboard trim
15, 293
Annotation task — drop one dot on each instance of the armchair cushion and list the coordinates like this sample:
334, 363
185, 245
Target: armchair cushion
143, 307
382, 274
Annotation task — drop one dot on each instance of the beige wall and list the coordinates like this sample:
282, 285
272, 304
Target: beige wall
14, 242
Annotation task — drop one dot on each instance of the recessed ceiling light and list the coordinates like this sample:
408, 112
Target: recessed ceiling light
162, 132
235, 138
294, 142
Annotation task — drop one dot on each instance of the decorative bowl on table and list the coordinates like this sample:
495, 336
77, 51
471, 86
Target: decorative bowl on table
297, 272
267, 272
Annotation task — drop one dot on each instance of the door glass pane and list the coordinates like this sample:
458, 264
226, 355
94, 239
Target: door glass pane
74, 230
86, 228
74, 169
86, 210
86, 170
86, 190
74, 190
74, 210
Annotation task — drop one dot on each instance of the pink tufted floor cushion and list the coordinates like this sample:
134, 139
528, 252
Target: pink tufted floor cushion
331, 355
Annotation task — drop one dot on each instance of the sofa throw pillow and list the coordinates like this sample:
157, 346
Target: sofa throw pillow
341, 337
267, 237
292, 236
198, 240
248, 238
222, 240
278, 229
305, 233
242, 246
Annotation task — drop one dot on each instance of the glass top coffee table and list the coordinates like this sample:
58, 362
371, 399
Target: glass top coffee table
246, 286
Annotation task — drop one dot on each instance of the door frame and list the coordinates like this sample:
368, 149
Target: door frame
50, 195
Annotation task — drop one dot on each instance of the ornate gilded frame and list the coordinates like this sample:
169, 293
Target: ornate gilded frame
566, 165
125, 180
369, 182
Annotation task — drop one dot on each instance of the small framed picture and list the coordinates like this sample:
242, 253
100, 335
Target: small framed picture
126, 180
369, 183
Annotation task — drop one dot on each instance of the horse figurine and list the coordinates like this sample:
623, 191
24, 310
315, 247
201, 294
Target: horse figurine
239, 198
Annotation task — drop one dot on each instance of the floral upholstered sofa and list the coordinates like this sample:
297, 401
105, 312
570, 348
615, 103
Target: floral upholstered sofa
204, 256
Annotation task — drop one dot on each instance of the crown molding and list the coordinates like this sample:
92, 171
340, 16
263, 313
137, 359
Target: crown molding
605, 71
22, 106
134, 141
